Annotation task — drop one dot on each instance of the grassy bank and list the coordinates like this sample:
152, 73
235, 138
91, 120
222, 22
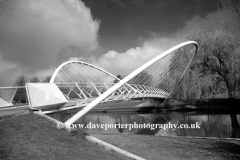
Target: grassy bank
31, 136
159, 147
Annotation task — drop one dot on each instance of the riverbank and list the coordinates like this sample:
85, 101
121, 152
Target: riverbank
158, 147
212, 105
31, 136
220, 105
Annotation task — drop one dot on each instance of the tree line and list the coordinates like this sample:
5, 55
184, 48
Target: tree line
215, 69
21, 95
22, 80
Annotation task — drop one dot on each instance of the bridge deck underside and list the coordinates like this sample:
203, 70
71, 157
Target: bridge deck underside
80, 95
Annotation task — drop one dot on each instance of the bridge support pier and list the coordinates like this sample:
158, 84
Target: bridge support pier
150, 103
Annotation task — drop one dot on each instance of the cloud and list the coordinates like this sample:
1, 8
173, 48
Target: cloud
7, 72
34, 32
210, 22
119, 3
124, 63
36, 36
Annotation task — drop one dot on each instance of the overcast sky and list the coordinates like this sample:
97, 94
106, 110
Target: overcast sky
36, 36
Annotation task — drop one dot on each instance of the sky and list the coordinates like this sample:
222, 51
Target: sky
36, 36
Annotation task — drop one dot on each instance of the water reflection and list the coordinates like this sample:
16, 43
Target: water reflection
211, 125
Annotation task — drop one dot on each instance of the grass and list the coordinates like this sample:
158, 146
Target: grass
31, 136
174, 148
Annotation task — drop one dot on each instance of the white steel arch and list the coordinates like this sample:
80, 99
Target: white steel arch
53, 77
139, 70
89, 89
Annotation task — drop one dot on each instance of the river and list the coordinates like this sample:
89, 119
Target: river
194, 124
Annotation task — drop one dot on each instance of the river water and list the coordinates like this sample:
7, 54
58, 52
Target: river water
205, 124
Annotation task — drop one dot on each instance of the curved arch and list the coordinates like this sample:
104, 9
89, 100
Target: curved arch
80, 62
132, 75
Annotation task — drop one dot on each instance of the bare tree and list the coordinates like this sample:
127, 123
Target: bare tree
47, 79
34, 80
21, 81
119, 77
21, 95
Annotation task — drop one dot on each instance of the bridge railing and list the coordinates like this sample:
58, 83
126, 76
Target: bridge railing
84, 91
148, 91
80, 94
